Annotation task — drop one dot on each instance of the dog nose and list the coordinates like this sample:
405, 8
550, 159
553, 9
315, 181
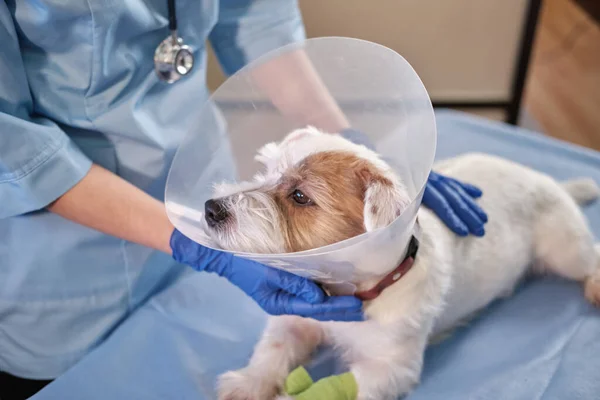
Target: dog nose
214, 212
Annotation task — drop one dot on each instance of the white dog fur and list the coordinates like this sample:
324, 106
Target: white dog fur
533, 221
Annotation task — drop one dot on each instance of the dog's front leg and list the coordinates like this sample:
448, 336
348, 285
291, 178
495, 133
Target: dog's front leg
385, 359
286, 343
387, 376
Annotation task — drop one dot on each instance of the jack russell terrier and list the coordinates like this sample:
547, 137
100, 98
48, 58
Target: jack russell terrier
319, 188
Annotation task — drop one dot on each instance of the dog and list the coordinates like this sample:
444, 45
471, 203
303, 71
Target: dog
319, 188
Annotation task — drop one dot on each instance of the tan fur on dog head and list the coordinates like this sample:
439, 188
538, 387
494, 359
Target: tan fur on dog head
335, 184
311, 201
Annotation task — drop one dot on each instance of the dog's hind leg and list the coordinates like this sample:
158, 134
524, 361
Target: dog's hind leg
286, 343
564, 243
592, 283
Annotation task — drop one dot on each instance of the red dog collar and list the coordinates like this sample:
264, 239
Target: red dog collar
393, 276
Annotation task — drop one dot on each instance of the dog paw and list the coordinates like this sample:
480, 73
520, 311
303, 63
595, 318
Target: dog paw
239, 385
592, 290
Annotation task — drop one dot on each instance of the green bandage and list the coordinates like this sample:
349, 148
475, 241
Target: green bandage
297, 382
300, 385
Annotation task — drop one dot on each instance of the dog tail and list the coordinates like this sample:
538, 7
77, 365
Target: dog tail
583, 190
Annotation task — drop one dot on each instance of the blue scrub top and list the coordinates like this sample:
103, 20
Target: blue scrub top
77, 85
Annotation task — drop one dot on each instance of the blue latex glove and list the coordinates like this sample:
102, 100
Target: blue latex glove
276, 291
453, 203
451, 200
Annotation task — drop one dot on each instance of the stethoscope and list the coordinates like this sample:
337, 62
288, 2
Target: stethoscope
172, 58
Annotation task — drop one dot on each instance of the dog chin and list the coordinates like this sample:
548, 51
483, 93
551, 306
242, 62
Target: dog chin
210, 236
249, 246
224, 238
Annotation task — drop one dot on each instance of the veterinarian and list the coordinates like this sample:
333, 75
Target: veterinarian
88, 130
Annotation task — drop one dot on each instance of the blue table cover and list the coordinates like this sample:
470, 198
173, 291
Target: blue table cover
543, 343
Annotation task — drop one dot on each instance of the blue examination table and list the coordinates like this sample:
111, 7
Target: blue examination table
543, 343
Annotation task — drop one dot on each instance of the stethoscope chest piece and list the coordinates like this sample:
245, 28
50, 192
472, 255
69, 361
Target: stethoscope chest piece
173, 59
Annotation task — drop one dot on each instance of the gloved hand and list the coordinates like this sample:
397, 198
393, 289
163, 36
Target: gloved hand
453, 203
300, 386
277, 292
451, 200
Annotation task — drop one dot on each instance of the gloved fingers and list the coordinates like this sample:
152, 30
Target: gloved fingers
184, 249
334, 308
433, 199
296, 285
197, 256
459, 203
471, 190
472, 204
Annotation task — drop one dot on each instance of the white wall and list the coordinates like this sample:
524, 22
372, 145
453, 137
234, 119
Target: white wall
464, 50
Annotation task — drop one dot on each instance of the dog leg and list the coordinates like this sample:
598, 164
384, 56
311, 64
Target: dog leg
286, 343
386, 360
592, 283
564, 244
393, 375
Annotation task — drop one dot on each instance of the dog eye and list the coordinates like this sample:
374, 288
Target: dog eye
300, 198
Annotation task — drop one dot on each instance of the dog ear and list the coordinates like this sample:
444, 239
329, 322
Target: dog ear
385, 199
301, 133
270, 153
267, 154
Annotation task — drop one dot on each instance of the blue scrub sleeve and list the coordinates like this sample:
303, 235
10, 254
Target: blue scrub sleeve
247, 29
38, 161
